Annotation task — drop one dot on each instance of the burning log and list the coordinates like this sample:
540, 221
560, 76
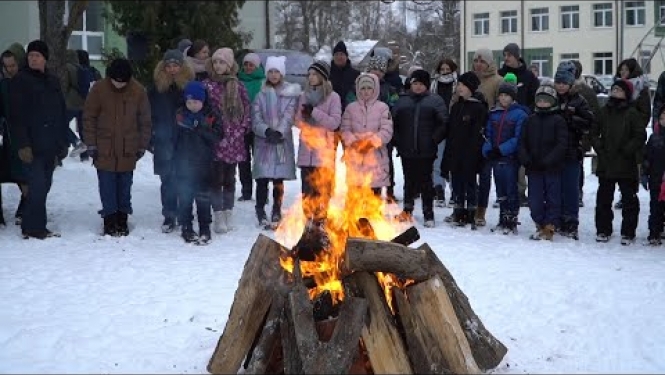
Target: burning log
381, 256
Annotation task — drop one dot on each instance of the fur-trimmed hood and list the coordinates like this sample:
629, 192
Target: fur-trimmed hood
163, 81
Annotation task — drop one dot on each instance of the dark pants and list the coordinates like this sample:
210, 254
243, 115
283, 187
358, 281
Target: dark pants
78, 115
40, 177
223, 186
582, 177
570, 194
465, 190
484, 184
169, 195
320, 194
418, 179
505, 179
629, 212
193, 189
391, 166
245, 169
115, 191
545, 197
262, 194
656, 212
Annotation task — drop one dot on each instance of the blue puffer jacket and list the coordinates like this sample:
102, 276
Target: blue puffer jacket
503, 129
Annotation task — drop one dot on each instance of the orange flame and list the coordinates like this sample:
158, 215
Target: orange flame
346, 206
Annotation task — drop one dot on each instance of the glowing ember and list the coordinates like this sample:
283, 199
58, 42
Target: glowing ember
348, 214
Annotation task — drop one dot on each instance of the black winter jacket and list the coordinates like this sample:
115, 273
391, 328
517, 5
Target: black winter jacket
527, 83
464, 137
195, 137
653, 165
544, 142
419, 122
344, 81
580, 119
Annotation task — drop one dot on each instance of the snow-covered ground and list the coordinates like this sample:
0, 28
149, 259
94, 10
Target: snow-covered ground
149, 303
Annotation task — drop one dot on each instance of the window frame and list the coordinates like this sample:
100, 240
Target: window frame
638, 11
85, 33
484, 20
607, 61
512, 20
604, 13
540, 17
571, 14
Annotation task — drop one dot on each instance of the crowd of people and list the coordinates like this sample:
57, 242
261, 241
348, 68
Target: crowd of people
206, 118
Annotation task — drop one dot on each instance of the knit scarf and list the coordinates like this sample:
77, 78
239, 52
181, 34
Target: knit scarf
232, 108
448, 78
252, 82
273, 116
197, 65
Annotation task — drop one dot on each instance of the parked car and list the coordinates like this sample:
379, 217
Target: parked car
297, 63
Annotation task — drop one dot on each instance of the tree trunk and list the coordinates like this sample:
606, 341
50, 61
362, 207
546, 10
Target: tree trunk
261, 279
382, 256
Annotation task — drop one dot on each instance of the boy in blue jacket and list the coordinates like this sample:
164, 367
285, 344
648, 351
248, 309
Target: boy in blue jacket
501, 146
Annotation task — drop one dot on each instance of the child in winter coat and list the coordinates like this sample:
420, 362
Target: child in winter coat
197, 132
229, 97
318, 116
367, 127
618, 137
420, 119
463, 155
653, 171
542, 151
501, 147
274, 153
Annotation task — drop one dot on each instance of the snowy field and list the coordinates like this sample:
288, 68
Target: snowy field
149, 303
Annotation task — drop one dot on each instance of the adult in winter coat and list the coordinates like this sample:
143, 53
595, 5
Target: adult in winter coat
367, 127
444, 80
229, 97
198, 57
253, 76
343, 75
84, 61
38, 124
318, 116
579, 119
641, 98
653, 169
392, 74
74, 99
618, 137
117, 129
273, 114
463, 158
542, 151
11, 167
527, 83
195, 136
166, 95
420, 119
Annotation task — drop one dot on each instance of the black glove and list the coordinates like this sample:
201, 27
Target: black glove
139, 154
644, 180
494, 154
274, 136
92, 152
306, 110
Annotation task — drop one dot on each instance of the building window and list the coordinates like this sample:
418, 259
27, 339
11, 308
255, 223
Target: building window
543, 64
481, 24
645, 61
509, 22
570, 56
636, 13
661, 15
540, 19
602, 15
570, 17
602, 63
88, 32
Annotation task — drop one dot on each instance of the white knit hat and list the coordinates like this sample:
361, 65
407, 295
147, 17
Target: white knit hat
276, 62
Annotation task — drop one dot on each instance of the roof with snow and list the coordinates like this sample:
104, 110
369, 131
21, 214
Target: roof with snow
358, 49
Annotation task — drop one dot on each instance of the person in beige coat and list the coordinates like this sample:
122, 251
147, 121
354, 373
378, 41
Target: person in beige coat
117, 129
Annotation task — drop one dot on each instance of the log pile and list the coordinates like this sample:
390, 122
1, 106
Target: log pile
428, 327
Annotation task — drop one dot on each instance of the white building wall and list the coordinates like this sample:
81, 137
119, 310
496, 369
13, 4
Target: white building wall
19, 22
584, 41
252, 17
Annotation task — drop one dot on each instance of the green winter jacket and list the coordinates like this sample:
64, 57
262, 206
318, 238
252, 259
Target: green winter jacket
73, 98
618, 137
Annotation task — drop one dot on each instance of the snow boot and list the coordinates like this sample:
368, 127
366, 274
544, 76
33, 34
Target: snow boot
228, 219
547, 233
111, 225
168, 225
262, 218
479, 217
429, 218
654, 239
204, 234
627, 240
39, 234
18, 216
602, 237
440, 196
470, 217
123, 226
188, 234
509, 224
220, 222
537, 236
276, 217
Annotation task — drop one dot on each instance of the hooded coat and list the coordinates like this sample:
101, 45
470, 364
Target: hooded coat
274, 161
369, 120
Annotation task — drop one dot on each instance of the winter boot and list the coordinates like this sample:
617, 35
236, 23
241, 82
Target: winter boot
18, 216
123, 226
547, 233
111, 225
220, 222
188, 234
509, 224
275, 217
470, 217
479, 217
440, 197
654, 239
228, 218
627, 240
602, 237
204, 234
168, 225
262, 217
538, 235
429, 218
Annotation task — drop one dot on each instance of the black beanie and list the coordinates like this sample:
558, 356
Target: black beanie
38, 46
421, 76
470, 80
120, 70
340, 47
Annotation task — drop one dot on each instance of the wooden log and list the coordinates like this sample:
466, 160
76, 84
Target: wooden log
419, 354
384, 346
264, 350
435, 318
383, 256
304, 352
261, 279
487, 350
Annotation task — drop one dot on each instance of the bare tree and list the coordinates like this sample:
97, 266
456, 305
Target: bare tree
288, 24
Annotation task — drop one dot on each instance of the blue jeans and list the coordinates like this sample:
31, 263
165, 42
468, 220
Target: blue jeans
545, 197
115, 191
505, 181
169, 194
484, 184
437, 179
570, 193
39, 175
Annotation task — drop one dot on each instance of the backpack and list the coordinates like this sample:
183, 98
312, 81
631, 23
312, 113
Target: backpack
84, 80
